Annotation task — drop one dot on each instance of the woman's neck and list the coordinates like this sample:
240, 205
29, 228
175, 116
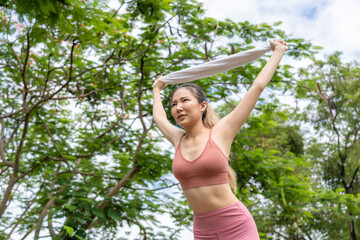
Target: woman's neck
196, 130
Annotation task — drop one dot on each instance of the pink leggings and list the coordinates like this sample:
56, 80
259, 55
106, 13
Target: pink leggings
232, 222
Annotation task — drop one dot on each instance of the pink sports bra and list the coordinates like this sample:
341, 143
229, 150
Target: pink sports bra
210, 168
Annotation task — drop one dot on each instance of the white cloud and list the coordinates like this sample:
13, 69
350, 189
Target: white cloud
333, 25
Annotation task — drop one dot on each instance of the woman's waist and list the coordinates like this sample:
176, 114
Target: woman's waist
208, 198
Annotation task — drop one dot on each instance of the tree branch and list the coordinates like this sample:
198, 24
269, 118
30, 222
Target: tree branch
79, 96
2, 153
19, 149
32, 169
155, 189
23, 70
51, 228
353, 177
341, 155
12, 114
3, 170
106, 144
110, 128
7, 194
20, 219
18, 59
325, 99
14, 178
136, 168
91, 174
51, 137
27, 233
48, 205
52, 197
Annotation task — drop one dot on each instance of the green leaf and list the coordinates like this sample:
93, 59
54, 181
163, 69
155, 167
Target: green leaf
114, 215
69, 230
71, 207
79, 237
309, 214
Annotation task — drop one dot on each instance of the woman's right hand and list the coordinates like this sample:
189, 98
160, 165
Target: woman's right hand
159, 83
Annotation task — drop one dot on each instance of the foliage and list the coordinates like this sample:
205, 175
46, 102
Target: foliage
273, 174
80, 153
332, 87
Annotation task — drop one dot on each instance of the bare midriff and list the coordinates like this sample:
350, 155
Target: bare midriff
208, 198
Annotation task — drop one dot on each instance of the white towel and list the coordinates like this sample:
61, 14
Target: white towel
216, 66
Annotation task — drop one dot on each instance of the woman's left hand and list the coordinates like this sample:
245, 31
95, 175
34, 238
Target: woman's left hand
278, 44
159, 83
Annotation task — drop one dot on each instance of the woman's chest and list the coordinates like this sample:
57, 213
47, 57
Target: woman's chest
193, 150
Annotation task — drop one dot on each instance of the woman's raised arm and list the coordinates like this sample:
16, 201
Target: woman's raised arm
231, 124
170, 132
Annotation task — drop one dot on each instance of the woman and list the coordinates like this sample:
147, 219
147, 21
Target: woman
202, 149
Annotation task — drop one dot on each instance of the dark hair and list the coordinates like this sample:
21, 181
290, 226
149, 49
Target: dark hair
209, 119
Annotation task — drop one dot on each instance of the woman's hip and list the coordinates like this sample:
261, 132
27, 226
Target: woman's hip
234, 219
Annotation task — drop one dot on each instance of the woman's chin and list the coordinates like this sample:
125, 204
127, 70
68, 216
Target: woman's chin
182, 124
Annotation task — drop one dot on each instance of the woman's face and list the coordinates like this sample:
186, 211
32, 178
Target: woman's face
185, 107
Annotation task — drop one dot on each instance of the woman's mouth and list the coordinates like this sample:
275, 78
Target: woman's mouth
181, 116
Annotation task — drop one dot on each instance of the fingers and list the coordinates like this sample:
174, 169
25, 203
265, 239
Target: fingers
159, 79
159, 82
276, 41
278, 44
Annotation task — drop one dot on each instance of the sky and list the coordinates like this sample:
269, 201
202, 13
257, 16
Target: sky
331, 24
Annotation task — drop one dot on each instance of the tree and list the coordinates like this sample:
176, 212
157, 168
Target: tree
273, 172
332, 87
78, 144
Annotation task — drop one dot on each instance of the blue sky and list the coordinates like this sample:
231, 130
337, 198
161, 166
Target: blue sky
332, 24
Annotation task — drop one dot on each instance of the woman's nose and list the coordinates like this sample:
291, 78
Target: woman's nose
179, 107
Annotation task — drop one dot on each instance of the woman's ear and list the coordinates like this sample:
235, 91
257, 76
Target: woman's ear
203, 106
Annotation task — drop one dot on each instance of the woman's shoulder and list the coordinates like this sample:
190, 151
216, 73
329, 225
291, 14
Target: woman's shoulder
223, 141
178, 134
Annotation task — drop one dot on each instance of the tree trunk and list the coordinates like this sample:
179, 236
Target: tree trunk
7, 194
352, 228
